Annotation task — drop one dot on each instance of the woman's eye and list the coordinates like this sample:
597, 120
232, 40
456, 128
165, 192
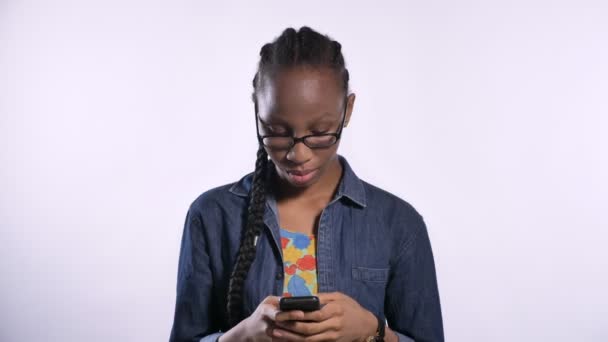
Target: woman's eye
277, 132
274, 131
318, 132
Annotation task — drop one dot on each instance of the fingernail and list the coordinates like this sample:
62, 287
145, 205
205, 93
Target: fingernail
276, 333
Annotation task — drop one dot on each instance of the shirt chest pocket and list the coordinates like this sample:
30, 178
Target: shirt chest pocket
370, 275
368, 286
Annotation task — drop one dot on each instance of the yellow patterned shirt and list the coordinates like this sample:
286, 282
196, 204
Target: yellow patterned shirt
300, 264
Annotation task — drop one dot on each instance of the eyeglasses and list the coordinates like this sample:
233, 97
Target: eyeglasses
313, 141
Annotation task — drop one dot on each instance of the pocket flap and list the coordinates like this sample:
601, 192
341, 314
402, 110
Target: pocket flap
370, 274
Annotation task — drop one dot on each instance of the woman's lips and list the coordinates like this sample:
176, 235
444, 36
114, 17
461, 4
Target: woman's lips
301, 177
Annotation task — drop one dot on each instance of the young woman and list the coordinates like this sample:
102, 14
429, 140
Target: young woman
304, 224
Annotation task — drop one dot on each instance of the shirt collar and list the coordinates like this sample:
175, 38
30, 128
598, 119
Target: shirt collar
350, 185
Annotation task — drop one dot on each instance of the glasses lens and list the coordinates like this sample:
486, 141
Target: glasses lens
314, 141
277, 142
319, 141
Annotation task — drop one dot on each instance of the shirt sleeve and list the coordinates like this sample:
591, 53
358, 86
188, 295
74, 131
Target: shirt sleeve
403, 338
412, 304
193, 318
211, 338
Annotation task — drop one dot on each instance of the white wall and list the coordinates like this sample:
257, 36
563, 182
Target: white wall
490, 117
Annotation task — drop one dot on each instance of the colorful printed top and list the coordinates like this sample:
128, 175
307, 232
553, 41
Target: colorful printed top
300, 264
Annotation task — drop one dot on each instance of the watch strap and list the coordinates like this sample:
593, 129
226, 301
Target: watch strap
380, 331
379, 336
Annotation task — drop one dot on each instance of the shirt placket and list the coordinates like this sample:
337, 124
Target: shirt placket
271, 221
325, 274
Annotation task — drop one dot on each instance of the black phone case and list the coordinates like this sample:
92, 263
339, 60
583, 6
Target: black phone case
303, 303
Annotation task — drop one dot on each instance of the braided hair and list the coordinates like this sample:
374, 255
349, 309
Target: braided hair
304, 47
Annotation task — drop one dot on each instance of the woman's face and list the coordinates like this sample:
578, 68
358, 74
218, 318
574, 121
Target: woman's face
301, 101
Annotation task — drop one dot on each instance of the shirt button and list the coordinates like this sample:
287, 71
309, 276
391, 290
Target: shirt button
279, 275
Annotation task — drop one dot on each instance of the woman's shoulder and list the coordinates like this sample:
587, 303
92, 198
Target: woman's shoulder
401, 219
387, 201
374, 198
227, 195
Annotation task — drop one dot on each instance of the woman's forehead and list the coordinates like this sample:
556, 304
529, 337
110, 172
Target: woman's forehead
300, 90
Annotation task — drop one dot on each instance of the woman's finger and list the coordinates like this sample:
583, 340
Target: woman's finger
292, 315
284, 335
327, 297
309, 328
328, 311
273, 300
269, 311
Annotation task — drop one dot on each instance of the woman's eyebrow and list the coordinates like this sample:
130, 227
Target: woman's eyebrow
273, 121
326, 117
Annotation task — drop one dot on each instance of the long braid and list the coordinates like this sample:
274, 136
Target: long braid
246, 253
291, 48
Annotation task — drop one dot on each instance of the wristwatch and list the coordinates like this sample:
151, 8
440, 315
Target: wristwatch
379, 336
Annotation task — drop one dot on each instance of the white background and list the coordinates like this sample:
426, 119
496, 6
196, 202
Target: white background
490, 117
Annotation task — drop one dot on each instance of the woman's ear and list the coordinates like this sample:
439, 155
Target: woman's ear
255, 102
350, 103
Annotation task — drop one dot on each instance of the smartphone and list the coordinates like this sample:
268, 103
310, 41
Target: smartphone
303, 303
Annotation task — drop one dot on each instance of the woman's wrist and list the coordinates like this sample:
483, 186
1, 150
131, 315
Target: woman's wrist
236, 334
389, 335
371, 324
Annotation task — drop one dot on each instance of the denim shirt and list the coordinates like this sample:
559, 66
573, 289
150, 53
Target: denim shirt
371, 245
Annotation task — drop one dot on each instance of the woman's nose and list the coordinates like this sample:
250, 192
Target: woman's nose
299, 153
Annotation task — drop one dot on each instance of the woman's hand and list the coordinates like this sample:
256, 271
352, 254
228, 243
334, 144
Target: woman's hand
258, 326
340, 319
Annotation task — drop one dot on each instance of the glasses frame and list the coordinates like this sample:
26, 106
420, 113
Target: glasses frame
295, 140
